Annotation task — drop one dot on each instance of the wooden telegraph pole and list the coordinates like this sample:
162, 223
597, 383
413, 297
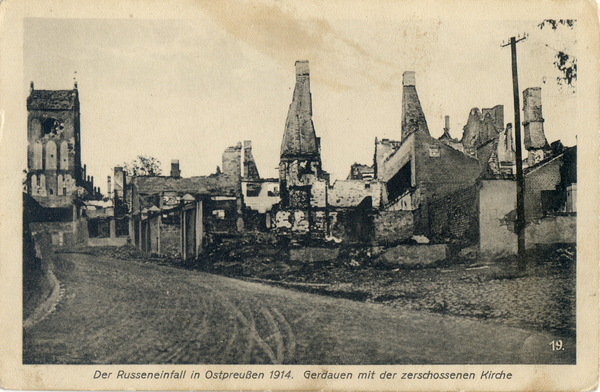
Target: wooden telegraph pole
520, 224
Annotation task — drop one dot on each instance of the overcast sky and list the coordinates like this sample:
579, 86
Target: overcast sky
187, 89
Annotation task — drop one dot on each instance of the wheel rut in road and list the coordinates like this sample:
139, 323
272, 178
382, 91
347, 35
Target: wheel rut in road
131, 312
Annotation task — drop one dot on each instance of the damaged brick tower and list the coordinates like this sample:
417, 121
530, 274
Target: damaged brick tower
54, 147
533, 123
300, 159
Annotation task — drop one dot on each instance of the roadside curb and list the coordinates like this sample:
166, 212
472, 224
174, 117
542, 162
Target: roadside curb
43, 310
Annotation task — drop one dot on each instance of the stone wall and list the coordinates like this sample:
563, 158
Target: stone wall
552, 230
455, 217
63, 233
497, 206
350, 193
393, 227
352, 225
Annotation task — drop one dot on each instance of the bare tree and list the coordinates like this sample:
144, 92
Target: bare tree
143, 166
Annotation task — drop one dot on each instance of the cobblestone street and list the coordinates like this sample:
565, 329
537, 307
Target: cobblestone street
122, 311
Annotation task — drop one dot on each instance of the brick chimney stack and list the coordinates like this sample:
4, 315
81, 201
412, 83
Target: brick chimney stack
175, 172
446, 123
299, 138
302, 68
533, 124
413, 118
408, 78
120, 181
250, 169
109, 187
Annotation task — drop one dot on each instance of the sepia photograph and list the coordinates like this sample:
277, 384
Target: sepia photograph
323, 196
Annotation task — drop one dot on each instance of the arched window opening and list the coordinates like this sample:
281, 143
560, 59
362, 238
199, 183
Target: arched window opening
64, 156
37, 156
36, 129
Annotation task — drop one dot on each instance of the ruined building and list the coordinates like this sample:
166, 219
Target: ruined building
485, 139
420, 166
259, 194
300, 157
54, 173
481, 128
54, 147
302, 182
361, 172
178, 216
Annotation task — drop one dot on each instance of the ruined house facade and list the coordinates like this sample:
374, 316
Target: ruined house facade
419, 168
178, 216
259, 194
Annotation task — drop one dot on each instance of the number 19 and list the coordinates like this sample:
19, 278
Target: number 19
557, 345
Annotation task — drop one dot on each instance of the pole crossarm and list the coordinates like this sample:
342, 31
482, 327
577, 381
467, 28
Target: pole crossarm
518, 39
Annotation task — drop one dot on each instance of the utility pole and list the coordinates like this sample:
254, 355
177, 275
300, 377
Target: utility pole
520, 224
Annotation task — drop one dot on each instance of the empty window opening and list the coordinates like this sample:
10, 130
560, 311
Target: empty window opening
400, 183
52, 126
219, 214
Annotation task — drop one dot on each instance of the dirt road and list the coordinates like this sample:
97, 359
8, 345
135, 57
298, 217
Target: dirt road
129, 312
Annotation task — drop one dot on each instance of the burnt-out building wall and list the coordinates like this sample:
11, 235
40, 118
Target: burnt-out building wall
393, 227
546, 184
455, 217
441, 168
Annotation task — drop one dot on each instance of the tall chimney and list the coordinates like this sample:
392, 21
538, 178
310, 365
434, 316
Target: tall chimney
533, 122
109, 187
447, 123
302, 68
250, 169
299, 138
408, 78
413, 118
120, 181
175, 172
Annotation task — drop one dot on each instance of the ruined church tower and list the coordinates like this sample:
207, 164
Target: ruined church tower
300, 158
54, 146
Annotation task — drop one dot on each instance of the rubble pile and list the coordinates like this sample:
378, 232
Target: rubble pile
471, 285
